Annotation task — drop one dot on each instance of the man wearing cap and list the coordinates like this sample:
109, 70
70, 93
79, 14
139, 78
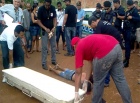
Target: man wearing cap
91, 49
47, 21
69, 22
12, 52
97, 12
130, 24
80, 18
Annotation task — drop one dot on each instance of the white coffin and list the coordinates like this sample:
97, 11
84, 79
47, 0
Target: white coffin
40, 86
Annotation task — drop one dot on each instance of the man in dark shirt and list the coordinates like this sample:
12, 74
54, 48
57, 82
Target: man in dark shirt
104, 27
97, 12
47, 21
70, 20
108, 14
119, 15
130, 24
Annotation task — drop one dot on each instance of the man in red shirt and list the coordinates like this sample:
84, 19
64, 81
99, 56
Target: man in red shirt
101, 59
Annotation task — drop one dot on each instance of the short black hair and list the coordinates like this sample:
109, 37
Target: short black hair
49, 1
92, 18
19, 28
130, 2
136, 2
107, 4
116, 1
98, 5
59, 3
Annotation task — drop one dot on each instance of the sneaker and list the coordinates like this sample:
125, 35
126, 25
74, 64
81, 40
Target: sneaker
44, 66
67, 54
4, 79
106, 85
54, 63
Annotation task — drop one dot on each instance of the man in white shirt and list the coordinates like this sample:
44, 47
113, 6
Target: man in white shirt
12, 52
60, 17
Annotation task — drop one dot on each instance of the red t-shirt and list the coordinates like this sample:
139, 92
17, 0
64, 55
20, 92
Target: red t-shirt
93, 46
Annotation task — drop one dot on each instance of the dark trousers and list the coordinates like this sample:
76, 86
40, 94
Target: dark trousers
58, 33
127, 38
107, 79
18, 54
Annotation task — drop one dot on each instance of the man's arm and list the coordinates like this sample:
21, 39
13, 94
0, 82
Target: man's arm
64, 21
78, 73
88, 70
11, 56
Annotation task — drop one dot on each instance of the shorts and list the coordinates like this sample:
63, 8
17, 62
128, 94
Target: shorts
34, 30
67, 74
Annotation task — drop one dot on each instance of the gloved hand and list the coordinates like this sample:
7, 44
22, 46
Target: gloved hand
85, 84
10, 65
77, 98
50, 35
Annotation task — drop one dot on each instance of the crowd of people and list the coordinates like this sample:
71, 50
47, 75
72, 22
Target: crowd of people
114, 29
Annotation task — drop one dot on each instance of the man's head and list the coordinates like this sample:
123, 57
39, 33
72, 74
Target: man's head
116, 3
107, 6
59, 5
35, 2
3, 1
67, 2
130, 4
136, 4
28, 6
16, 3
93, 21
98, 7
19, 31
78, 4
48, 4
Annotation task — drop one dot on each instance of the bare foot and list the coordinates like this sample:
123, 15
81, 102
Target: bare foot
50, 68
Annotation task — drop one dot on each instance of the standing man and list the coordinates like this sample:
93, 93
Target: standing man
26, 24
47, 21
69, 22
97, 12
91, 49
12, 52
108, 14
130, 24
119, 15
80, 18
12, 10
60, 17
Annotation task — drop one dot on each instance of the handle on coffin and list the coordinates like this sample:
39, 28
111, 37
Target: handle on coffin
10, 83
24, 91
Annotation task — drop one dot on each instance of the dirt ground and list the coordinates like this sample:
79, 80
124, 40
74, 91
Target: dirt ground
10, 94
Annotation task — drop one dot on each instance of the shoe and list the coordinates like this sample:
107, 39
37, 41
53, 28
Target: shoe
54, 63
106, 85
44, 66
126, 63
67, 54
4, 79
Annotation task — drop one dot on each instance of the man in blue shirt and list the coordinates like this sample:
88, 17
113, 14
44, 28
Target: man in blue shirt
97, 12
80, 17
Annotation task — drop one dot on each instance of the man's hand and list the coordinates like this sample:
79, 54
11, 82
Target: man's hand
62, 28
85, 84
10, 65
3, 22
53, 29
129, 17
77, 98
47, 30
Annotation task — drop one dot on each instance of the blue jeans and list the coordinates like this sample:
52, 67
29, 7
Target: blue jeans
112, 63
44, 42
70, 33
28, 39
79, 31
107, 79
18, 54
127, 38
58, 33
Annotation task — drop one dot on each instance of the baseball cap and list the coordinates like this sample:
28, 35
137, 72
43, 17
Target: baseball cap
130, 2
66, 0
74, 41
78, 3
